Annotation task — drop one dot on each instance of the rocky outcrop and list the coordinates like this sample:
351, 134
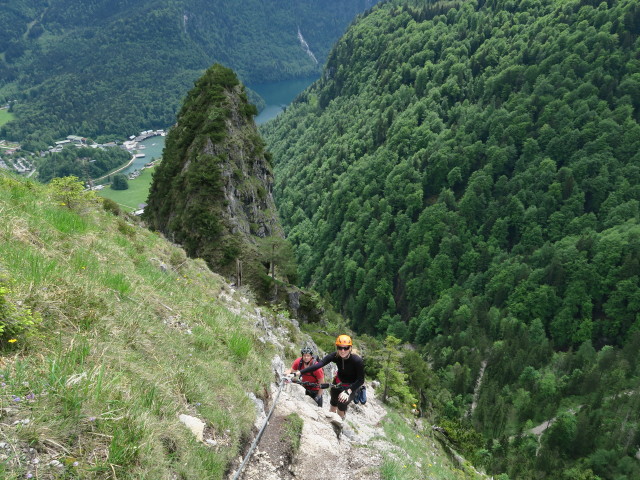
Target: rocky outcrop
212, 191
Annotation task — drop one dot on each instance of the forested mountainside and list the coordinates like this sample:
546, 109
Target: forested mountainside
105, 67
212, 191
466, 176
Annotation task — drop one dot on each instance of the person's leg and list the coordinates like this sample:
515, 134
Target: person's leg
342, 406
316, 395
334, 393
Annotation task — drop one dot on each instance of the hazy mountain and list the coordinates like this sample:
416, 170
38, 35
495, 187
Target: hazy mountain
115, 67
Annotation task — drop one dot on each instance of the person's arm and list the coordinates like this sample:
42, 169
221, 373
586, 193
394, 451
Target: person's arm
359, 377
326, 360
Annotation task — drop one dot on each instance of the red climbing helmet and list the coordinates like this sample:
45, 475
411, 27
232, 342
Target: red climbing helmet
343, 341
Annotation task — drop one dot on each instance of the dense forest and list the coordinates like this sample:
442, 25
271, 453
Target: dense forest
106, 69
465, 176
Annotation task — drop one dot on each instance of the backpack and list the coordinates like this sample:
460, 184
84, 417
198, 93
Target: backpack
361, 395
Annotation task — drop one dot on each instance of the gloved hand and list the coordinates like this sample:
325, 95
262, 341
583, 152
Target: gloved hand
295, 374
343, 397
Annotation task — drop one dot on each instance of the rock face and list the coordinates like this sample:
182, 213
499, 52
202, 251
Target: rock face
212, 191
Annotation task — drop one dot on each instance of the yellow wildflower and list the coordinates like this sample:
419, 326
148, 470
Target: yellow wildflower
13, 340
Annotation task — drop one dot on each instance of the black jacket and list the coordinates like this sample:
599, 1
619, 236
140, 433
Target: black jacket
350, 370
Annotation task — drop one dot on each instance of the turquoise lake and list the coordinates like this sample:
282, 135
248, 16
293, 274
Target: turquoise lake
152, 150
278, 95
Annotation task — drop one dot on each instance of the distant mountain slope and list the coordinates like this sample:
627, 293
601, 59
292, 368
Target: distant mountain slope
466, 176
105, 67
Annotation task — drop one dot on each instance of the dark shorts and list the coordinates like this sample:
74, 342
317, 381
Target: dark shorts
335, 392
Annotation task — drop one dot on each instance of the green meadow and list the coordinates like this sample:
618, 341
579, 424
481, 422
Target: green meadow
5, 116
136, 193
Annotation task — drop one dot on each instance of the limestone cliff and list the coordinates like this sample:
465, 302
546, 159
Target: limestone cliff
212, 191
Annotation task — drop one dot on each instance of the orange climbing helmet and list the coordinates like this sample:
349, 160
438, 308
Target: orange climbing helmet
343, 341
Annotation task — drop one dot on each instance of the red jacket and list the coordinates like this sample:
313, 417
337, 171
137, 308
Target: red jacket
312, 377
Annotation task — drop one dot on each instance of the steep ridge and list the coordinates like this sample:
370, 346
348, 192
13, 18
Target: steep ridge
108, 333
212, 191
323, 450
113, 341
363, 446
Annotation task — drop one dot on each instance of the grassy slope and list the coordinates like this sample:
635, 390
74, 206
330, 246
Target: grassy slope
115, 362
421, 457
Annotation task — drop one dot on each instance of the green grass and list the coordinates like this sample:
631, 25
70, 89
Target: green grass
136, 194
123, 348
5, 116
416, 456
291, 432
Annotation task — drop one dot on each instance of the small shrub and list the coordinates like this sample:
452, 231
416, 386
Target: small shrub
391, 470
69, 192
463, 437
125, 228
291, 432
177, 258
111, 206
15, 320
240, 345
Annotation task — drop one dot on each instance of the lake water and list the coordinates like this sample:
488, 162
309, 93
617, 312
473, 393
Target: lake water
278, 95
152, 150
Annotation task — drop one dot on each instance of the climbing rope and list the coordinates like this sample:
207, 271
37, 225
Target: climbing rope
310, 384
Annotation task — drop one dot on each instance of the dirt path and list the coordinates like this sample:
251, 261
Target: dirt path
326, 451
